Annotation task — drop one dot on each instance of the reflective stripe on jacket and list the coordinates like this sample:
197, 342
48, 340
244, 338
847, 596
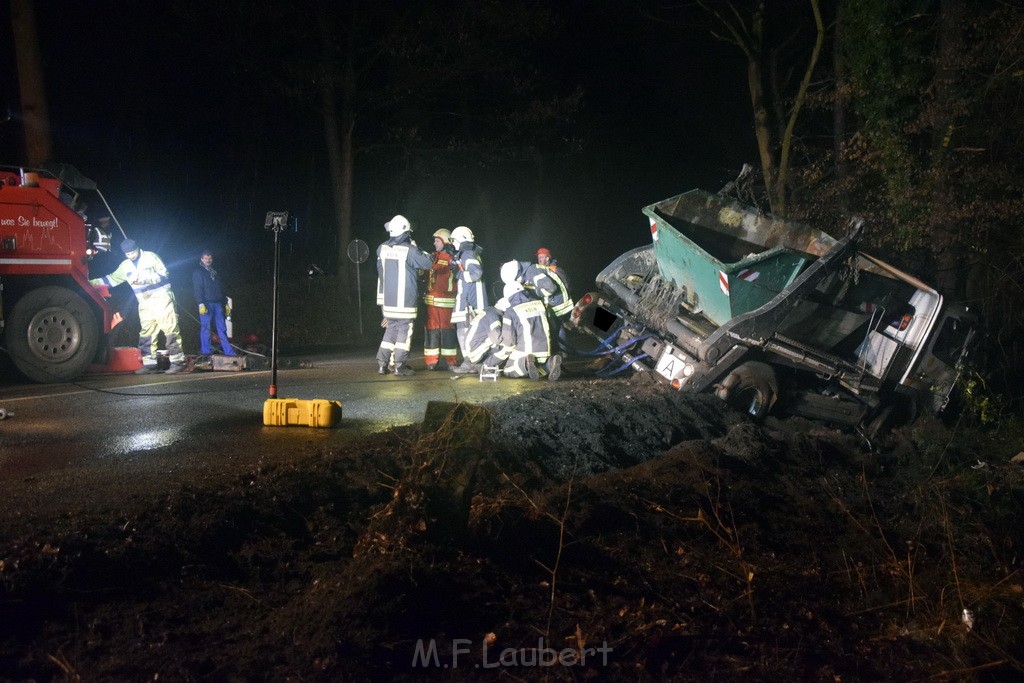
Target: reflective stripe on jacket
397, 283
525, 330
559, 301
441, 287
484, 334
471, 291
147, 275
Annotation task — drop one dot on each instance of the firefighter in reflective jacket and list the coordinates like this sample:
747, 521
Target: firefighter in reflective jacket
150, 282
439, 340
526, 337
471, 294
483, 338
546, 285
398, 260
558, 301
534, 279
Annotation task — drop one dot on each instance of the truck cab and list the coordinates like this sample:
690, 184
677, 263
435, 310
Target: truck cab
768, 312
53, 320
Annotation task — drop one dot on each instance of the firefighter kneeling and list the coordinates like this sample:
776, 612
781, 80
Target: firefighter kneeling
526, 336
483, 340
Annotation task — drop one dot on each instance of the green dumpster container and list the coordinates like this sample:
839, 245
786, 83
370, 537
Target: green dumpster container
727, 258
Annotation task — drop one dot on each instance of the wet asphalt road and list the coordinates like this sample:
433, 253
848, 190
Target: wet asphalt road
164, 430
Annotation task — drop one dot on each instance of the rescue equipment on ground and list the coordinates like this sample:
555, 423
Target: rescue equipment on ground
281, 412
316, 412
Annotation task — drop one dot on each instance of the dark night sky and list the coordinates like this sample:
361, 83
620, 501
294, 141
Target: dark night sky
136, 105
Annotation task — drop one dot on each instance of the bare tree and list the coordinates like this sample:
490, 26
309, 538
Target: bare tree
34, 110
775, 116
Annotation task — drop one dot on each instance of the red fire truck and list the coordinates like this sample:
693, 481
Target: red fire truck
55, 324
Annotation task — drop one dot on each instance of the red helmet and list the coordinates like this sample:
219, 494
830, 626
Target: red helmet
544, 250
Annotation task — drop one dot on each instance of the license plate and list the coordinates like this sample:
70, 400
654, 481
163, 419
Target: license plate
671, 364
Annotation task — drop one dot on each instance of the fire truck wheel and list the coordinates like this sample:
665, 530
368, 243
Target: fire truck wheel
751, 388
52, 334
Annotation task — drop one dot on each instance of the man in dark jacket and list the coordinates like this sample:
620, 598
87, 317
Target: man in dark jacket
209, 293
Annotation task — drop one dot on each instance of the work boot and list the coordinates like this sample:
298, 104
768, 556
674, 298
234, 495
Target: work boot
382, 369
175, 368
466, 368
145, 370
432, 367
403, 370
531, 369
554, 368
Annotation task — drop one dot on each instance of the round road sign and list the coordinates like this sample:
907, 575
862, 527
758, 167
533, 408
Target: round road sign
358, 251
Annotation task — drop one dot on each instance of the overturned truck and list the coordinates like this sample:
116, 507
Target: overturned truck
775, 315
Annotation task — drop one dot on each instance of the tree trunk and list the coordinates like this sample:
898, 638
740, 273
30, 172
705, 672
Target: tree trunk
759, 102
944, 237
763, 133
36, 115
348, 125
839, 105
339, 156
786, 146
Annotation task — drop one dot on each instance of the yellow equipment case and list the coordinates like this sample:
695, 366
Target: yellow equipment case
317, 412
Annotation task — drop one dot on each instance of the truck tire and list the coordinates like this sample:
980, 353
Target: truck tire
882, 423
751, 388
52, 334
898, 412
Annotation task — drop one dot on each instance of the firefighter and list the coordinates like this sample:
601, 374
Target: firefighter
208, 290
559, 301
545, 285
526, 336
398, 260
440, 344
150, 282
483, 339
534, 279
471, 294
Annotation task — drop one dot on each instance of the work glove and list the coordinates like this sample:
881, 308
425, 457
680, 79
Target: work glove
227, 311
202, 309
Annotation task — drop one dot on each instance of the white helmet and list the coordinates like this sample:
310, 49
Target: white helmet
462, 234
398, 225
509, 271
444, 233
510, 289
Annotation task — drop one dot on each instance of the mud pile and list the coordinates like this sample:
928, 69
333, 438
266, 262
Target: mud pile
593, 426
595, 530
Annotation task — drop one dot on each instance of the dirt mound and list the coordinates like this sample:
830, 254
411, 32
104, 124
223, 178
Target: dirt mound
576, 430
608, 530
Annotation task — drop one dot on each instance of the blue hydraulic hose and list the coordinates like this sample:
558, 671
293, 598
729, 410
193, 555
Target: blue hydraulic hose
606, 372
598, 350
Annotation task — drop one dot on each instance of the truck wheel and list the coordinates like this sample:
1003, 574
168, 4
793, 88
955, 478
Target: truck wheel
52, 334
882, 423
751, 388
896, 414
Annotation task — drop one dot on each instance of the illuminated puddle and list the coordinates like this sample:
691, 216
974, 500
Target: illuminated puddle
145, 441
